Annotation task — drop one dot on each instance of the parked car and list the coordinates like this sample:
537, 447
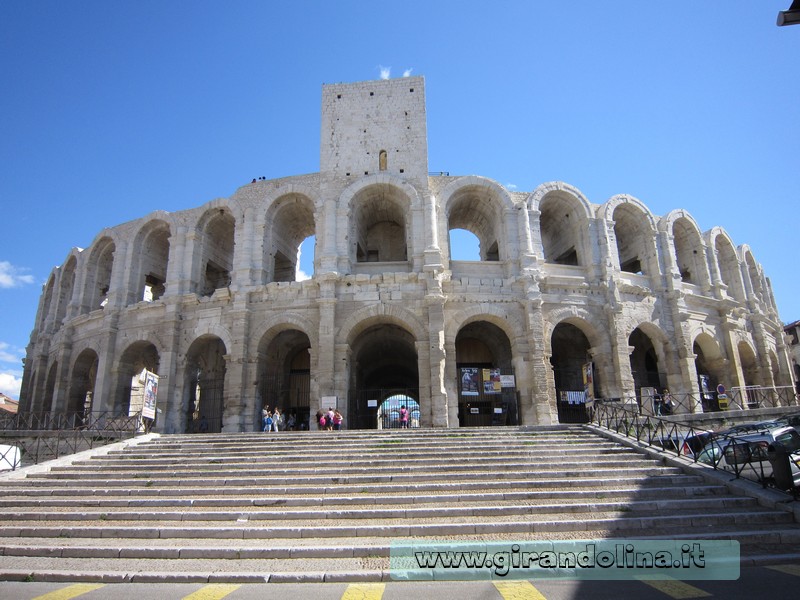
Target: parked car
746, 454
694, 443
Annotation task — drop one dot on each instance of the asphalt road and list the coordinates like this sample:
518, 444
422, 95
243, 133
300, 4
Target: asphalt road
778, 581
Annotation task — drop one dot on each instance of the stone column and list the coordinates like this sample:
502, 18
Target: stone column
439, 414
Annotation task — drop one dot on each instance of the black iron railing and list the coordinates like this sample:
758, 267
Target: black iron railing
29, 438
724, 451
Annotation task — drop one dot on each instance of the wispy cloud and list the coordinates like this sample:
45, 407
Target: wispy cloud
10, 384
407, 72
11, 276
9, 354
386, 72
511, 186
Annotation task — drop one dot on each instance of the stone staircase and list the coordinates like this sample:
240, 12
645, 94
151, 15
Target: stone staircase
325, 506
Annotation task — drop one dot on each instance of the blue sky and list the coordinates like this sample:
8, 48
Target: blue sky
110, 110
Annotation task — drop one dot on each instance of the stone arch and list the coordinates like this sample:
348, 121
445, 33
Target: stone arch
383, 362
364, 318
204, 385
753, 271
47, 299
483, 354
150, 258
82, 381
380, 223
688, 247
564, 220
50, 388
513, 325
275, 324
634, 231
711, 368
139, 356
289, 221
284, 373
648, 358
66, 288
570, 350
478, 205
97, 272
727, 262
215, 243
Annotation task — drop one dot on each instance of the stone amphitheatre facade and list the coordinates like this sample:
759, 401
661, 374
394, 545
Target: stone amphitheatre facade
208, 299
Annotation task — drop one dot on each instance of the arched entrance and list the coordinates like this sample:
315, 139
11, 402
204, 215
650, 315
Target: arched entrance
389, 412
750, 372
284, 377
710, 370
486, 395
81, 389
384, 365
644, 367
569, 358
205, 385
137, 358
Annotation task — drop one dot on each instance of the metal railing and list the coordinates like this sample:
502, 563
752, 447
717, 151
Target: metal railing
41, 436
738, 398
726, 452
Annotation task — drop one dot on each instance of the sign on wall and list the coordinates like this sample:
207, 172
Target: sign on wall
150, 395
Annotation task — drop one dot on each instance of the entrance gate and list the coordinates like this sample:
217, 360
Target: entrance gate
363, 407
483, 401
291, 397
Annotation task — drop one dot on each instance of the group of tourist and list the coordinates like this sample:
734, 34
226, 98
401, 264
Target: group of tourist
331, 420
274, 420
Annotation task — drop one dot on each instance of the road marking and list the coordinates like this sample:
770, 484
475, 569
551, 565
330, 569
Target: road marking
213, 591
71, 591
518, 590
364, 591
788, 569
680, 590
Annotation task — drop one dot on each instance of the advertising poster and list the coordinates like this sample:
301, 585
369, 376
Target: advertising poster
588, 381
469, 381
150, 395
491, 381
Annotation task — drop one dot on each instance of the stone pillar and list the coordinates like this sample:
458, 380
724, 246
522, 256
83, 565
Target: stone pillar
433, 253
231, 399
176, 282
326, 368
104, 392
527, 254
439, 414
170, 386
539, 407
327, 237
240, 411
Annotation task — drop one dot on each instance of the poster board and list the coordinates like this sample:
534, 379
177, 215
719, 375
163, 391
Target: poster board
150, 395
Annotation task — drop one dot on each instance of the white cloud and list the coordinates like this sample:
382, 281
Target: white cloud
10, 355
511, 186
301, 275
407, 73
385, 72
11, 276
10, 384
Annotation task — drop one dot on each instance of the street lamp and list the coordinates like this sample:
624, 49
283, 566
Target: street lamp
791, 16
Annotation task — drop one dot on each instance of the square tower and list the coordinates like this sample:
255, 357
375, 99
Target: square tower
375, 126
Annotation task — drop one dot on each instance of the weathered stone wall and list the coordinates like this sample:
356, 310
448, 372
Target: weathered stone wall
201, 296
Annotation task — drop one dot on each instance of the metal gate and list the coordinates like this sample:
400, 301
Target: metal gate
292, 397
483, 399
205, 406
364, 405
